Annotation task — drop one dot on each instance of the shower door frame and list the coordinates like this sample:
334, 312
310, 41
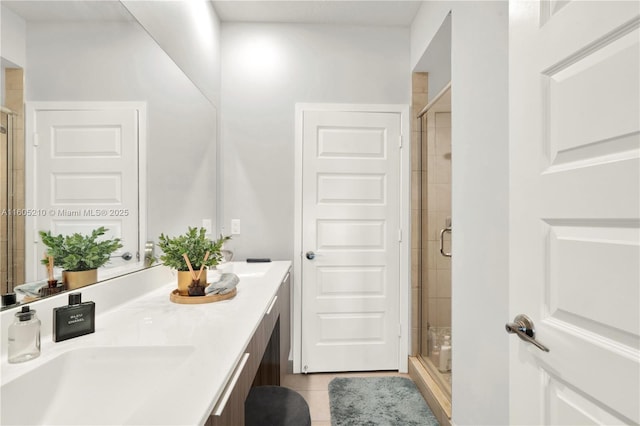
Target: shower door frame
8, 204
424, 359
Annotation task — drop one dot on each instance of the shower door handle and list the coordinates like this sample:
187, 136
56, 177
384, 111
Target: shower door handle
442, 232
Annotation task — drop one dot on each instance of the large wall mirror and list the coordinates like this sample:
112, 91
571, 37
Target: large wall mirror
81, 56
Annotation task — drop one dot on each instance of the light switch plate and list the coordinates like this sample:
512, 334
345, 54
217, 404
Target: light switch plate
235, 226
206, 224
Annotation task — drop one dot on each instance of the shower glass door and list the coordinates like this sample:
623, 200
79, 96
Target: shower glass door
435, 278
11, 201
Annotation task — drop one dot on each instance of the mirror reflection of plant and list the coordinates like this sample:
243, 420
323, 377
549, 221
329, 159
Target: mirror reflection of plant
195, 244
79, 252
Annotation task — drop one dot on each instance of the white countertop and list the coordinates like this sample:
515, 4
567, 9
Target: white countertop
212, 336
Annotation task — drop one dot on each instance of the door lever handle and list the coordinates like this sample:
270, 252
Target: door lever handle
523, 327
126, 256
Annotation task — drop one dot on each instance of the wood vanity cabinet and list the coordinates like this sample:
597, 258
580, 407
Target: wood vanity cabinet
264, 361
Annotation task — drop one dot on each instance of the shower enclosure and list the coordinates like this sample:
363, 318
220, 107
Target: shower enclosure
6, 160
12, 180
434, 277
11, 204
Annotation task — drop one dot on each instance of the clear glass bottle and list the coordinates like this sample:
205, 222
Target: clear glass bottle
24, 336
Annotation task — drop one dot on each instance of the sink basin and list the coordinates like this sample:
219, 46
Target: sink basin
243, 269
91, 385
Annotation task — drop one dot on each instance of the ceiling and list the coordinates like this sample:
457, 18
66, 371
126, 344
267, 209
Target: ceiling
43, 10
346, 12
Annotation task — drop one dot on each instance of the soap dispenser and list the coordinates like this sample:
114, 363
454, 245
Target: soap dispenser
444, 364
24, 336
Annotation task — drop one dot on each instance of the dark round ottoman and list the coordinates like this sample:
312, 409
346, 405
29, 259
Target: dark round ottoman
275, 406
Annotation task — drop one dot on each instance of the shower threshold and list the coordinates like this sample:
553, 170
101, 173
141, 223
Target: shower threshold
443, 380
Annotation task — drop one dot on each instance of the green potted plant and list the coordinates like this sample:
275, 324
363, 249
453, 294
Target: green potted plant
195, 244
79, 255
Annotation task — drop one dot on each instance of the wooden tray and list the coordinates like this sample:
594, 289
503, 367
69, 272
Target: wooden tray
175, 297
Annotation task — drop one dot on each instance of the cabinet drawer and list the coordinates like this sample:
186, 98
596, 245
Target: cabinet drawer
229, 411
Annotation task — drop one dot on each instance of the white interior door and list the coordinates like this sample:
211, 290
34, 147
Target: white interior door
350, 237
86, 176
575, 211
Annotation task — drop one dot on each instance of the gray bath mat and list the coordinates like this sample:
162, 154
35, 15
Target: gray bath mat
369, 401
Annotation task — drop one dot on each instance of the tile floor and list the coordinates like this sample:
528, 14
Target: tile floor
315, 390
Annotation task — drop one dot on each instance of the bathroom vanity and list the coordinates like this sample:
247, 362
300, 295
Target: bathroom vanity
263, 362
151, 361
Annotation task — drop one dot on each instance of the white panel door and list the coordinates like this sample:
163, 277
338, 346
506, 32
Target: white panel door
575, 211
350, 214
86, 175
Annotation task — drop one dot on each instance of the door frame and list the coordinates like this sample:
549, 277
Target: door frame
404, 310
31, 109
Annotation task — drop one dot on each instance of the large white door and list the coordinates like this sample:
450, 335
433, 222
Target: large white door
575, 211
350, 240
86, 176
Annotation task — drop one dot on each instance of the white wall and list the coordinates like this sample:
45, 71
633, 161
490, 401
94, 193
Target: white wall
425, 25
189, 31
437, 60
480, 202
266, 70
12, 44
118, 61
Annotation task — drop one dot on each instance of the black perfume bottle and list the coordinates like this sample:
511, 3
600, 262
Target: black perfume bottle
76, 319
